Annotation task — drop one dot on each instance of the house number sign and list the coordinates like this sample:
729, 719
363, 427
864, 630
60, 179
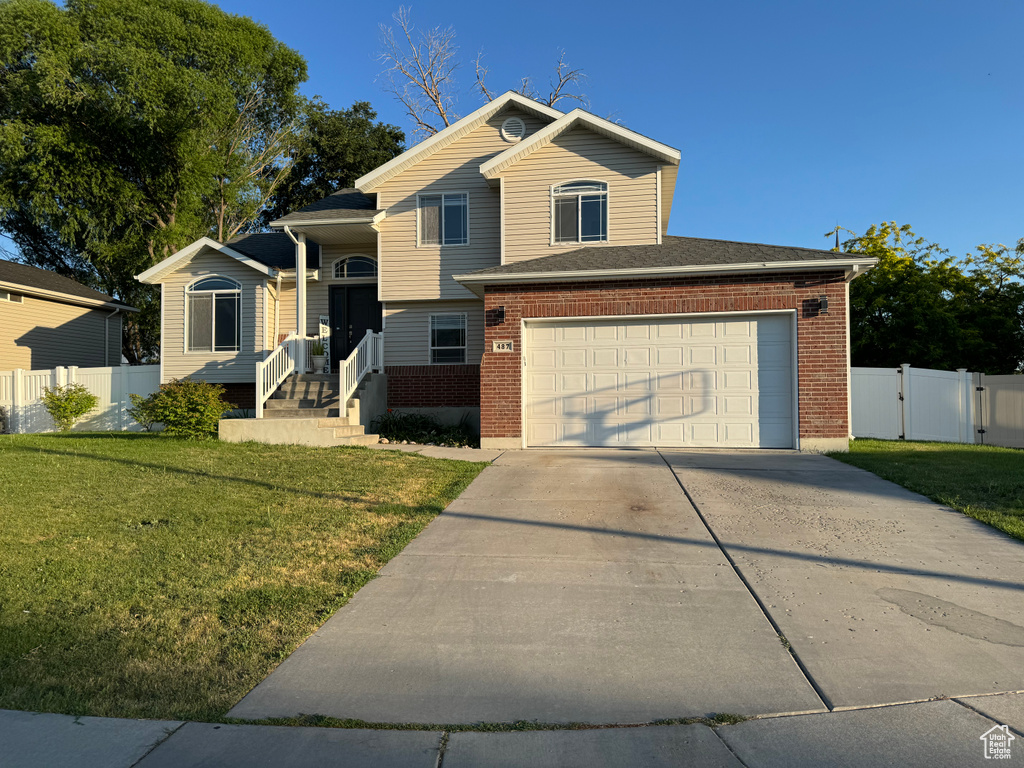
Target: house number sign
501, 346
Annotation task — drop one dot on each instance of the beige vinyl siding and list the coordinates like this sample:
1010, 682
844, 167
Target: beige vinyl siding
219, 367
39, 333
409, 272
407, 330
318, 292
632, 179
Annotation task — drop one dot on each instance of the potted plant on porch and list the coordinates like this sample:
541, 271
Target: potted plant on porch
316, 352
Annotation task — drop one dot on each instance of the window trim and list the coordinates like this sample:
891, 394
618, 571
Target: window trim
354, 280
419, 219
213, 327
11, 297
607, 205
430, 338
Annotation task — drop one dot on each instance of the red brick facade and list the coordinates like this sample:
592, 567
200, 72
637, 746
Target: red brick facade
240, 395
433, 386
821, 338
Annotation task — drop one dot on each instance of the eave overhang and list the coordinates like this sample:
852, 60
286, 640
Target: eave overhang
476, 282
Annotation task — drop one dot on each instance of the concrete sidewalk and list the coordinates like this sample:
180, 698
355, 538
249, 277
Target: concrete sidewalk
937, 733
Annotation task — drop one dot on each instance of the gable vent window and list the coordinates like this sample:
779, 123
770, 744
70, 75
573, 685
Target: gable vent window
213, 310
444, 219
513, 129
14, 298
580, 212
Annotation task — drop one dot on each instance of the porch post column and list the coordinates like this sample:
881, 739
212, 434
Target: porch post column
300, 299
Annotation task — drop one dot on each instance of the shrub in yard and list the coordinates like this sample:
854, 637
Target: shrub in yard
420, 428
5, 421
68, 404
143, 410
188, 408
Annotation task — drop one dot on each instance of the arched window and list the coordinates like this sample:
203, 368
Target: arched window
580, 212
355, 267
213, 309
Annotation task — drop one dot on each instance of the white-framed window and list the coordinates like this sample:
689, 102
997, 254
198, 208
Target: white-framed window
448, 338
354, 267
213, 309
14, 298
444, 219
579, 212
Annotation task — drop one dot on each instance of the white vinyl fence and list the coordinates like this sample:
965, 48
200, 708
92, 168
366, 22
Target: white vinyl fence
21, 395
913, 404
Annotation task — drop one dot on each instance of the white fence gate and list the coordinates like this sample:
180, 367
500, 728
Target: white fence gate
913, 404
21, 395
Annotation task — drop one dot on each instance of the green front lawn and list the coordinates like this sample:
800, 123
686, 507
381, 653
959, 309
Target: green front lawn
982, 481
146, 576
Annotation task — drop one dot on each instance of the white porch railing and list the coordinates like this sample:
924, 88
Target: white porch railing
367, 357
289, 356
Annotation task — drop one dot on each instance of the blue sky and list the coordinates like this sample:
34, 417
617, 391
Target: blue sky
791, 115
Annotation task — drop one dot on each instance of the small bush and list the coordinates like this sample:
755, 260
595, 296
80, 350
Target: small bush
420, 428
143, 410
5, 422
68, 404
188, 408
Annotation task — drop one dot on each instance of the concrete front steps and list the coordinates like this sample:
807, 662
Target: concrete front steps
304, 411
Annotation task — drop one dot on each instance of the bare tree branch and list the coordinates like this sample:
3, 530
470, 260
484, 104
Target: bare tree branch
420, 72
481, 75
566, 84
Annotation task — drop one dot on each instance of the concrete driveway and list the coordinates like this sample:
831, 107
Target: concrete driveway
629, 586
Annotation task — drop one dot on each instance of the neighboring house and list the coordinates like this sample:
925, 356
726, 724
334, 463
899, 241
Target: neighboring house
518, 267
47, 320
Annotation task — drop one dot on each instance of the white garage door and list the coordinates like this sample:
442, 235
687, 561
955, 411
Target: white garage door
721, 382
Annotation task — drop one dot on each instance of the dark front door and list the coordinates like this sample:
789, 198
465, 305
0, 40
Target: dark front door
354, 310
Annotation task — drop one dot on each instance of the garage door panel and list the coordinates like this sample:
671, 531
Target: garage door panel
702, 355
734, 380
737, 354
699, 383
573, 358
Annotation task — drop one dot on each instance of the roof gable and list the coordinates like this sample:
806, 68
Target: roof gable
450, 135
578, 118
46, 283
175, 261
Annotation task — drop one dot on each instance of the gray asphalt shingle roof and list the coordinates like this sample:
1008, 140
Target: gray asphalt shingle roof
672, 252
45, 280
274, 249
343, 204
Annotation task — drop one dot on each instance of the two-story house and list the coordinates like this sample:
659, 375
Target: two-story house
516, 266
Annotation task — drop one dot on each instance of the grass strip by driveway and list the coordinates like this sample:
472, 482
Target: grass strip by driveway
147, 576
983, 481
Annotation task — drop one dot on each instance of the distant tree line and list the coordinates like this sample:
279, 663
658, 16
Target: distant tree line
130, 128
919, 305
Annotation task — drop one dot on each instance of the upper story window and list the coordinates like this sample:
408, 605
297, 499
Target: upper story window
213, 310
580, 212
444, 219
355, 267
14, 298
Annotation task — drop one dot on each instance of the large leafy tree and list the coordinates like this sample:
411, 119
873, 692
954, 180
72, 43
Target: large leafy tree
333, 149
918, 305
128, 128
